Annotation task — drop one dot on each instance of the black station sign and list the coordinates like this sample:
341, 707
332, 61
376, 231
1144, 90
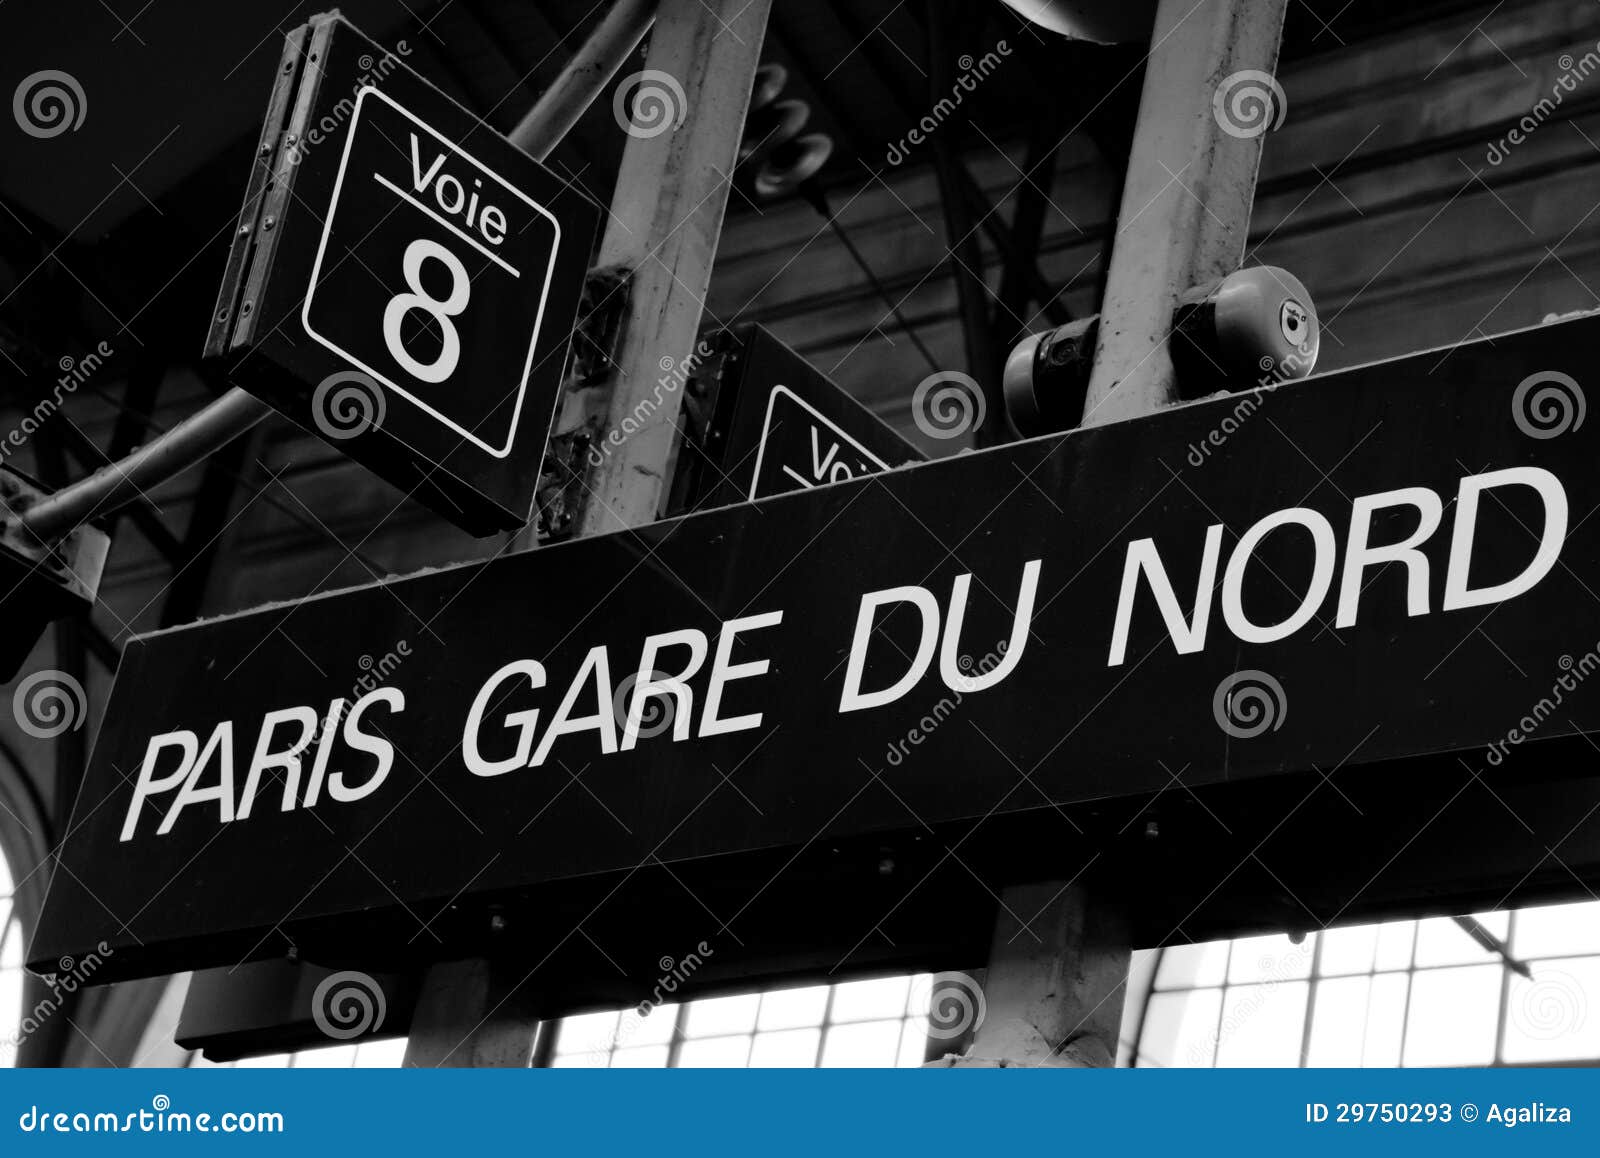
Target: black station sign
1373, 565
404, 280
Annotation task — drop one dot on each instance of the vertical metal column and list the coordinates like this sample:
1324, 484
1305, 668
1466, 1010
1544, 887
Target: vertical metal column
1187, 195
666, 216
1055, 989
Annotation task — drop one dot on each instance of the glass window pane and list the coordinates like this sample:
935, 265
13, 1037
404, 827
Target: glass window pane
1180, 1028
1351, 950
1558, 930
381, 1055
640, 1057
587, 1033
1270, 958
790, 1008
271, 1061
585, 1059
1395, 942
794, 1048
913, 1043
719, 1052
1454, 1016
870, 1043
1262, 1024
1386, 1019
653, 1028
1192, 966
1553, 1017
327, 1057
718, 1016
11, 954
864, 1000
1339, 1020
1440, 941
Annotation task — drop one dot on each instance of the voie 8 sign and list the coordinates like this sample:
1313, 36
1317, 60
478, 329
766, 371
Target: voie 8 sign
404, 281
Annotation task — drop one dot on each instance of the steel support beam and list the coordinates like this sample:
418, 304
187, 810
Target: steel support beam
1187, 195
666, 216
1059, 962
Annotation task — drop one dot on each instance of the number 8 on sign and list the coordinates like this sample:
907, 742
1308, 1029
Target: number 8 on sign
431, 277
441, 311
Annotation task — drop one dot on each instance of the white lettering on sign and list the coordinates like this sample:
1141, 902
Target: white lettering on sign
517, 717
1189, 635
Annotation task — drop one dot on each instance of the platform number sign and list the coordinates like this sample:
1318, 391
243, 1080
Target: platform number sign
432, 269
404, 282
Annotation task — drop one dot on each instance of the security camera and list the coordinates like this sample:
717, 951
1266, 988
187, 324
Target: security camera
1256, 327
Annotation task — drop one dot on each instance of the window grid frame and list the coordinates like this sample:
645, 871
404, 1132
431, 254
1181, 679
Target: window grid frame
1411, 970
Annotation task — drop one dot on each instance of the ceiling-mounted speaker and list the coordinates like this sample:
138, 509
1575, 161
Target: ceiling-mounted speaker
792, 163
1102, 21
770, 126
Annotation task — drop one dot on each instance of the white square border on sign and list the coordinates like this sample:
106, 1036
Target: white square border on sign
322, 247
